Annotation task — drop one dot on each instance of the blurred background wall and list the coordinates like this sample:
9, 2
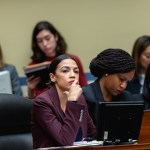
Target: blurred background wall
88, 26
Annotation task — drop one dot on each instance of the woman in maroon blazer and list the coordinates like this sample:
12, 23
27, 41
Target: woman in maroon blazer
60, 115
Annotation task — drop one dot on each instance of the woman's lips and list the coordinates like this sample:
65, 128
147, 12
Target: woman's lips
119, 91
71, 82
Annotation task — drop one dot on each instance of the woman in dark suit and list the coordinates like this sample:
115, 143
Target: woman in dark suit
145, 96
60, 115
114, 68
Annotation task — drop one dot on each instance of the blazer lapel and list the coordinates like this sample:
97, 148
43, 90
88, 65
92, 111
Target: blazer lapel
98, 93
56, 102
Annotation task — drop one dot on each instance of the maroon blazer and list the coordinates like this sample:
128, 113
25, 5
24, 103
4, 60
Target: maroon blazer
52, 127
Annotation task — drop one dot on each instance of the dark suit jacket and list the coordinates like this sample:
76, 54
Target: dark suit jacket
141, 97
134, 86
93, 96
52, 127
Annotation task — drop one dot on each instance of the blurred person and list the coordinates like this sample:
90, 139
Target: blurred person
47, 43
141, 56
15, 82
145, 95
114, 68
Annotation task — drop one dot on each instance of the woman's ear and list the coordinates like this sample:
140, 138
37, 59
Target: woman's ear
52, 77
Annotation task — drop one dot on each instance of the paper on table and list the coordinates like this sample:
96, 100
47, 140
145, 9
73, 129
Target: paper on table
85, 143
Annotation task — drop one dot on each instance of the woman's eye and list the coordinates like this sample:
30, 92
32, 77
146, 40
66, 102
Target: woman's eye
122, 79
64, 71
47, 38
39, 41
147, 56
76, 71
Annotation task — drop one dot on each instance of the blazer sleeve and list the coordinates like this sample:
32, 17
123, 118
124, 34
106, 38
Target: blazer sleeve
63, 130
91, 127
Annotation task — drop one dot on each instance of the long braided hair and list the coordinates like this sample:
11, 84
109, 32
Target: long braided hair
111, 61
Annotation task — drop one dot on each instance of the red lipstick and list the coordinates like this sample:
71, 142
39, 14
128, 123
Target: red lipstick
71, 81
119, 91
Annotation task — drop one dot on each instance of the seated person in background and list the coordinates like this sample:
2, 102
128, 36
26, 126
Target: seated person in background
16, 88
47, 43
60, 115
141, 56
114, 68
145, 96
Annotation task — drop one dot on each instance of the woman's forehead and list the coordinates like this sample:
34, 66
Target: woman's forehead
67, 62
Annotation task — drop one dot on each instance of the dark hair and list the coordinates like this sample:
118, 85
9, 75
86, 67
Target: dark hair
111, 61
39, 56
1, 59
146, 88
53, 66
139, 46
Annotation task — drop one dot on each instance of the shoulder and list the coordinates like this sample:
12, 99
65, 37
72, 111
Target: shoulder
89, 92
138, 97
141, 97
42, 98
49, 96
134, 86
88, 88
92, 86
9, 67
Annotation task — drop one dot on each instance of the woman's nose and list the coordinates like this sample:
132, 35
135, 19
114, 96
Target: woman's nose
123, 85
44, 42
72, 73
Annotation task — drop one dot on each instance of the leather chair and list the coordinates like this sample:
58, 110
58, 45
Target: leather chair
15, 128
